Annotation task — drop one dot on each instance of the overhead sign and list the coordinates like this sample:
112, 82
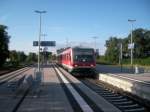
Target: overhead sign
44, 43
35, 43
131, 46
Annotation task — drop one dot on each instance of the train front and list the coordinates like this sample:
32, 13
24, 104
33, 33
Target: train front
83, 58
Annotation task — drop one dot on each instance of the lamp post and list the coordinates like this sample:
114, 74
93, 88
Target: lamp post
44, 48
131, 44
120, 57
44, 35
39, 42
95, 37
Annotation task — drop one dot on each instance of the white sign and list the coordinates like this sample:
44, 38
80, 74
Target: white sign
131, 46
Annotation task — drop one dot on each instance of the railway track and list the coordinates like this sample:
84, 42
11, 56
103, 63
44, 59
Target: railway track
81, 102
82, 90
12, 75
75, 103
123, 102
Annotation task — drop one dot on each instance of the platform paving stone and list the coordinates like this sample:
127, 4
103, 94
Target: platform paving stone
9, 97
49, 97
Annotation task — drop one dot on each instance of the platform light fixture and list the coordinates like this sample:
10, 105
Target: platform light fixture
131, 43
40, 23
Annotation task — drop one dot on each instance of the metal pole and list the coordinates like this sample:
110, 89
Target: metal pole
121, 51
95, 42
39, 42
44, 52
131, 42
121, 56
131, 45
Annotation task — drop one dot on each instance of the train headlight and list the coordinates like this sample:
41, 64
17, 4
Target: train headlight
92, 65
75, 65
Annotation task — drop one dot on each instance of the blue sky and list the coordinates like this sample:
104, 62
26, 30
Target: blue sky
77, 20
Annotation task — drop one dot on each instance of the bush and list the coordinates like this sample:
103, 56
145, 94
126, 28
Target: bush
102, 60
138, 61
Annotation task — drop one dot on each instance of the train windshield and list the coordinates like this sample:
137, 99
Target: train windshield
84, 55
83, 58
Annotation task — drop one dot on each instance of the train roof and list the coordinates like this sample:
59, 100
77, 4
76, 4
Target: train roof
77, 47
82, 48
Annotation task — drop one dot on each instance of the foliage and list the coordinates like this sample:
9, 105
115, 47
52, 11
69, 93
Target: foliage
102, 60
138, 61
31, 58
112, 52
141, 39
17, 57
4, 41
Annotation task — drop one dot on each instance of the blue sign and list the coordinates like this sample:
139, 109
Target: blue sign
44, 43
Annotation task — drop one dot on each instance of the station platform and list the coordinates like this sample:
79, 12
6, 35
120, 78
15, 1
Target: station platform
48, 97
58, 91
52, 97
9, 97
137, 84
142, 77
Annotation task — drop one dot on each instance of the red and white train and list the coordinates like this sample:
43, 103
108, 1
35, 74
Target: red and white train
76, 58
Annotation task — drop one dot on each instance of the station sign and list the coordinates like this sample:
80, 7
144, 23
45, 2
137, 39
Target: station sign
45, 43
131, 46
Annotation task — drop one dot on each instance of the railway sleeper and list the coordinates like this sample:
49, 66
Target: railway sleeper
123, 103
119, 100
109, 94
135, 110
130, 106
102, 92
115, 97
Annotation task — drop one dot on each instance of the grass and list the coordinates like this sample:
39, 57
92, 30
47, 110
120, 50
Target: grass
142, 63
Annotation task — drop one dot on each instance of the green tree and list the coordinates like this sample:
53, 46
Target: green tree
112, 51
4, 41
31, 58
14, 57
141, 40
147, 43
17, 57
21, 57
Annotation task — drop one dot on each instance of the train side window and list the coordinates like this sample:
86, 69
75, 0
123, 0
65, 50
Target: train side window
60, 57
69, 57
66, 56
63, 57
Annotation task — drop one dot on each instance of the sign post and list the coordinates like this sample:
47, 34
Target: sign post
44, 44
